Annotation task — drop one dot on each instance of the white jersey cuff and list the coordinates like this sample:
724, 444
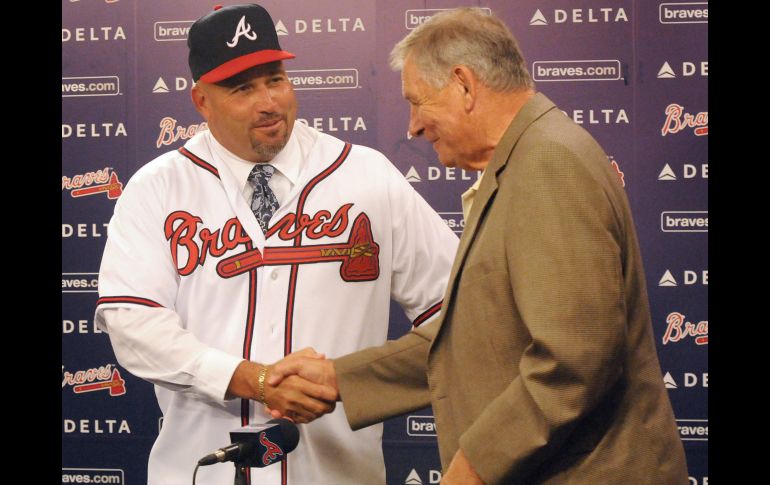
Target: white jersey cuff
214, 373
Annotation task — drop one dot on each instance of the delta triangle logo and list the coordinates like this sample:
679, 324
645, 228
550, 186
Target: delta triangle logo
666, 72
413, 478
412, 175
667, 173
280, 29
538, 19
160, 86
667, 279
669, 381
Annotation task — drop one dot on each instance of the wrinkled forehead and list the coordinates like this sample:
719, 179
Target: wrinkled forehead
412, 82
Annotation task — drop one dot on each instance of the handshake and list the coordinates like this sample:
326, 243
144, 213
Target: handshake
300, 387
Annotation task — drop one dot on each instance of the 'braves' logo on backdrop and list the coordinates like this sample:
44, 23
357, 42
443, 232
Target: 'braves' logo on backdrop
170, 132
677, 120
359, 256
272, 450
84, 184
95, 379
679, 329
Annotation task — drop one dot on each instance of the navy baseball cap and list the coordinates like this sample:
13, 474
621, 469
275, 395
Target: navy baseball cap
230, 40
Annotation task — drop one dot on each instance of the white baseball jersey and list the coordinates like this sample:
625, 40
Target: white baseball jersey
186, 254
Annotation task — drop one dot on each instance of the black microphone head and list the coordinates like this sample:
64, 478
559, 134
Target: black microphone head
289, 431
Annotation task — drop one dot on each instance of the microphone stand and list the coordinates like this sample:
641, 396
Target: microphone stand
240, 474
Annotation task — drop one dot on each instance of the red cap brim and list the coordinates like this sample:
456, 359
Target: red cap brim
240, 64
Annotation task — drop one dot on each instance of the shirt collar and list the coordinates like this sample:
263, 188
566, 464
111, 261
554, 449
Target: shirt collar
288, 160
468, 196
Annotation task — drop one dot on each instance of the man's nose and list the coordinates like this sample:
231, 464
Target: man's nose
264, 100
415, 125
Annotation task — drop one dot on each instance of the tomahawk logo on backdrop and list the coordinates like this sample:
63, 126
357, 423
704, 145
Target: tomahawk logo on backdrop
104, 181
105, 378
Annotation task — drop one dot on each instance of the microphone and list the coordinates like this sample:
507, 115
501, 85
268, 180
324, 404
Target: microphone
257, 445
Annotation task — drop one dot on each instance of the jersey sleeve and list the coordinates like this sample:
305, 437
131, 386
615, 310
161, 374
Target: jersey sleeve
138, 283
136, 266
423, 252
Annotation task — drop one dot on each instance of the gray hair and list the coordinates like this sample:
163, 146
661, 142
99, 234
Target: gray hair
464, 36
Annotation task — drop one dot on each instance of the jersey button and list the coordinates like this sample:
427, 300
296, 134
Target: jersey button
274, 274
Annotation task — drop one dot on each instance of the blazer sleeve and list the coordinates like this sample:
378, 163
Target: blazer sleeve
564, 259
381, 382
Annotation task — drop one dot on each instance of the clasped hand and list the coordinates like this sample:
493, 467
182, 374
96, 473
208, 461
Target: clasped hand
301, 387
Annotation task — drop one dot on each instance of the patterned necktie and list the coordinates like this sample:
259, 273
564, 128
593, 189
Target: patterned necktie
263, 201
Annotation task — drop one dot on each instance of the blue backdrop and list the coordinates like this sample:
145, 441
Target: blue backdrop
633, 73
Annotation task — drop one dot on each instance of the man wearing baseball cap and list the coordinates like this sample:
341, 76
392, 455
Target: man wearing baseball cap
259, 237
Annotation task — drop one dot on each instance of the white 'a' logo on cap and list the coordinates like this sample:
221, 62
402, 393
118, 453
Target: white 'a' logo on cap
243, 29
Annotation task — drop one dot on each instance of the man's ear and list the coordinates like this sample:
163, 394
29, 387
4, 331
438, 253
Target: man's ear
467, 82
200, 100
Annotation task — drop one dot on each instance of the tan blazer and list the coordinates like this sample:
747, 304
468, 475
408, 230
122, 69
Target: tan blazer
542, 366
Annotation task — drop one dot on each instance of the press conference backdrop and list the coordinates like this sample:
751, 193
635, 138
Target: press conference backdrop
633, 73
